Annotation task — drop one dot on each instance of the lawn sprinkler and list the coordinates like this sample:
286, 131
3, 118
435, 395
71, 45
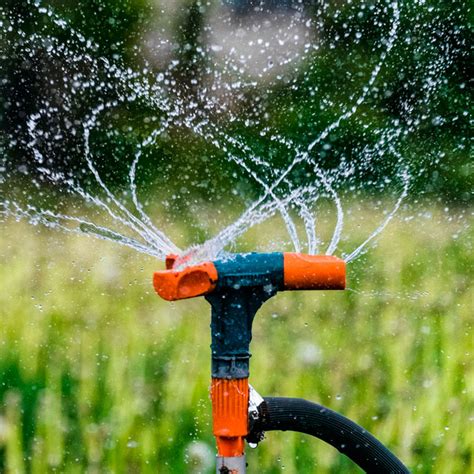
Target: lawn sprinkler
236, 286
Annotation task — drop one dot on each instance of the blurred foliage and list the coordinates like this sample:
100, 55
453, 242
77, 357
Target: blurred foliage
115, 26
119, 26
97, 374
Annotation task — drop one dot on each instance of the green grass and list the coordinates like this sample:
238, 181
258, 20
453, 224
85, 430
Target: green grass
97, 374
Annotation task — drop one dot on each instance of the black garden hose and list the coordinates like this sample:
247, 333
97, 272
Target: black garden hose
295, 414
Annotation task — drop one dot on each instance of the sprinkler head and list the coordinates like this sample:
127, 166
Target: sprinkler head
236, 286
270, 271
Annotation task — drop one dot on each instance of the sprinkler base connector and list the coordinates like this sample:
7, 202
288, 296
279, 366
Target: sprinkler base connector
230, 400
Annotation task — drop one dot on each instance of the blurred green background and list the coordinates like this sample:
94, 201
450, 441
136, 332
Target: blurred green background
98, 375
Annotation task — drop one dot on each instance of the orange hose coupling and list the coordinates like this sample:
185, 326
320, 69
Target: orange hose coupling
230, 399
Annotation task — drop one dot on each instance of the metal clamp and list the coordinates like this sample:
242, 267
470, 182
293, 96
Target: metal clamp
255, 403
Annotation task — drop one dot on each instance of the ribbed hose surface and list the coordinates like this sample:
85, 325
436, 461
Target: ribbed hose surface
294, 414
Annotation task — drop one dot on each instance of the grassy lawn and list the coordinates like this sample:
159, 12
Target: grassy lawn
97, 374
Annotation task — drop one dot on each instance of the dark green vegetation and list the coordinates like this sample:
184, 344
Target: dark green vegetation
97, 372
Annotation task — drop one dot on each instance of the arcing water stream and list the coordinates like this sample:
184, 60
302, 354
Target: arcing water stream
84, 92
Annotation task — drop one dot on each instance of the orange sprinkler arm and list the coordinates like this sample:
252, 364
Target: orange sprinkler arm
190, 282
313, 272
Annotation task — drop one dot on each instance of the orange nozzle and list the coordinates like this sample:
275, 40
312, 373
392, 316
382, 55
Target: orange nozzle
192, 281
170, 261
313, 272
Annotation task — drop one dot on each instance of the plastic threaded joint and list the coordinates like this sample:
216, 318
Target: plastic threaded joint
230, 400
